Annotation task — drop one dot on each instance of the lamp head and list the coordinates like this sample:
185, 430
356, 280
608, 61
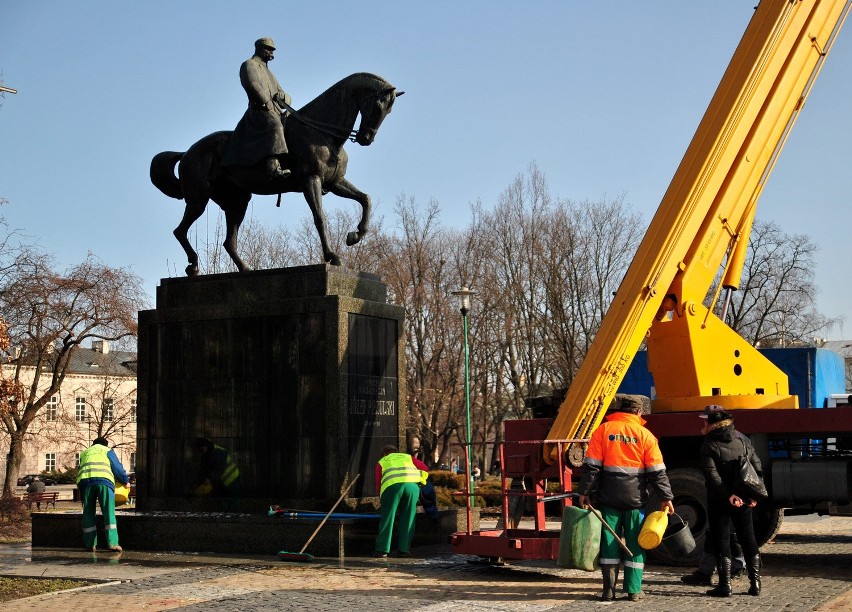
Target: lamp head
464, 294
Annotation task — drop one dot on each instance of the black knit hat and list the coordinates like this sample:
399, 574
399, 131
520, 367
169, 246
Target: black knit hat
718, 415
709, 409
629, 404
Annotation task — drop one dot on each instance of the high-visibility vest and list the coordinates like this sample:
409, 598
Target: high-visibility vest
94, 463
397, 468
231, 471
622, 444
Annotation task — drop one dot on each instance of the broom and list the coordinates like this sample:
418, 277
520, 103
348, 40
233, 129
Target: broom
283, 555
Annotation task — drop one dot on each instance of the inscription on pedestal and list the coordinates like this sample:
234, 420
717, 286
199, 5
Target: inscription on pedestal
373, 394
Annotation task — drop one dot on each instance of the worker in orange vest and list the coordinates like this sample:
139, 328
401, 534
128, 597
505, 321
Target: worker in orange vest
623, 460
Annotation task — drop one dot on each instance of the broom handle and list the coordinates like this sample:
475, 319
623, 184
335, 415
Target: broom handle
325, 518
610, 529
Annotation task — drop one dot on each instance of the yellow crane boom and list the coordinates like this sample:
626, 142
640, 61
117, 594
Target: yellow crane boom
702, 223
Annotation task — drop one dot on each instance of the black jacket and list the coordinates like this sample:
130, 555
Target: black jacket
720, 459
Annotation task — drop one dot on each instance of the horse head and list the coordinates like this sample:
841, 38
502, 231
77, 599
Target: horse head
374, 105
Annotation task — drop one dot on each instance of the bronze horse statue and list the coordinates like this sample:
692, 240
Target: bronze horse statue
315, 136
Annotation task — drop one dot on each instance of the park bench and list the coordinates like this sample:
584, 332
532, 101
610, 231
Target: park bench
41, 498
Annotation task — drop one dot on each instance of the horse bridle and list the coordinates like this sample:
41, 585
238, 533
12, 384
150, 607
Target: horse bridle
329, 129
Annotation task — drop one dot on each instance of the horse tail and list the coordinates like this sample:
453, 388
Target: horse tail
163, 173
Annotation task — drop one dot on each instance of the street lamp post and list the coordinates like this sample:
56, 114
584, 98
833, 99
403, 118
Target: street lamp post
464, 294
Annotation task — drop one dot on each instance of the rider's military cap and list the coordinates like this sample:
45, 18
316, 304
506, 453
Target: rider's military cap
265, 42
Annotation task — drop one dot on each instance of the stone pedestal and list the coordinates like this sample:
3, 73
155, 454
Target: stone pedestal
295, 373
222, 532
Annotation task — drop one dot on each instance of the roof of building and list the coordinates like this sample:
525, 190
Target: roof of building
92, 362
842, 347
95, 363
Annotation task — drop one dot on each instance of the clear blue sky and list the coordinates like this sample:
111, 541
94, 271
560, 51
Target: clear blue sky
603, 96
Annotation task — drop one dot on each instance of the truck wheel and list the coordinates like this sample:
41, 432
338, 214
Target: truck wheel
767, 523
690, 502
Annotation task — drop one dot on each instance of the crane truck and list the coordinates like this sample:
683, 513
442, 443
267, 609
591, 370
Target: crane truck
699, 233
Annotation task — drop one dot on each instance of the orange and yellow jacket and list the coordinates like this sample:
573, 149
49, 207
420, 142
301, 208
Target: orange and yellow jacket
623, 460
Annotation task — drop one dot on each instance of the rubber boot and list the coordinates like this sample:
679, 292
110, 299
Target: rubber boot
610, 577
723, 589
753, 567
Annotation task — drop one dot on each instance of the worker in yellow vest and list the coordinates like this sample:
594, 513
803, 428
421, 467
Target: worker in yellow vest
218, 476
96, 477
399, 477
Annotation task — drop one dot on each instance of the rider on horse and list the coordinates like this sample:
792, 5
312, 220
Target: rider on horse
260, 133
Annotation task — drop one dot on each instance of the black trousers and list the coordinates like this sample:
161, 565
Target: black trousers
725, 516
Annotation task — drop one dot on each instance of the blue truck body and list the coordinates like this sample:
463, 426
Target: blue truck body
814, 373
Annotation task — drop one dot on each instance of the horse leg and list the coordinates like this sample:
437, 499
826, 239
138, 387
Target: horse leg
194, 209
345, 189
313, 195
235, 212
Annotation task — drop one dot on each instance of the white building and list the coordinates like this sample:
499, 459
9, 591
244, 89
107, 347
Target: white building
98, 395
844, 349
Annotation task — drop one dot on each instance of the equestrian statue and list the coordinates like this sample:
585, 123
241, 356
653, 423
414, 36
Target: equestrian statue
276, 149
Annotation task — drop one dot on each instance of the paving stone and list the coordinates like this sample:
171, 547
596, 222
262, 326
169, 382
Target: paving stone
804, 569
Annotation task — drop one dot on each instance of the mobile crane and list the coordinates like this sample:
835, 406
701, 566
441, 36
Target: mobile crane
702, 226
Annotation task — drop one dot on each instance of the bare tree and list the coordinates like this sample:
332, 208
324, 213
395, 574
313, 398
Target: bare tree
776, 301
516, 229
364, 256
49, 315
261, 247
415, 264
264, 247
590, 246
551, 268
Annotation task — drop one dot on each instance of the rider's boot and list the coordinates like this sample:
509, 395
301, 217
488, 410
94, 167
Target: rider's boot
275, 171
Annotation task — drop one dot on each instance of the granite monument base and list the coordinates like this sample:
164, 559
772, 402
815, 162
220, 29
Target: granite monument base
267, 387
240, 533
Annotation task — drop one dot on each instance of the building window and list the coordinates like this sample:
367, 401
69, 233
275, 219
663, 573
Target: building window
51, 408
77, 459
80, 408
108, 409
132, 462
50, 462
133, 410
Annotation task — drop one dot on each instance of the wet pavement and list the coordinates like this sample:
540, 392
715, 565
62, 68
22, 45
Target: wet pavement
808, 567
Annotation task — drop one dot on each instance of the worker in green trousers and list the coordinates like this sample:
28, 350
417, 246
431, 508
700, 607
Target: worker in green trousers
99, 469
398, 479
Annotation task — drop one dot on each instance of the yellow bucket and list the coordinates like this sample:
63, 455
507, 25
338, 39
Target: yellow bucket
653, 529
203, 490
122, 494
